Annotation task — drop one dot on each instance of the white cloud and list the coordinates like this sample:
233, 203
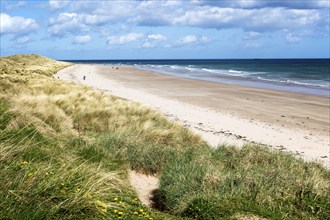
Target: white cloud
252, 35
291, 38
66, 23
96, 19
20, 4
156, 37
116, 12
204, 39
82, 39
157, 13
56, 5
250, 4
171, 3
120, 40
16, 25
265, 19
153, 40
148, 44
322, 3
237, 3
189, 39
84, 6
22, 40
63, 17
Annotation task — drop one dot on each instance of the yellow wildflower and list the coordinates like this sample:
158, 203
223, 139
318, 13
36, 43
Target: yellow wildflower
24, 162
116, 199
115, 211
120, 213
135, 213
30, 174
102, 204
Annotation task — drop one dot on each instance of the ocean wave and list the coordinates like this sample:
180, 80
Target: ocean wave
235, 71
191, 69
174, 67
203, 72
322, 84
318, 83
212, 70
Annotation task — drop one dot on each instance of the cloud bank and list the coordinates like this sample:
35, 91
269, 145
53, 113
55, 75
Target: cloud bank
249, 16
166, 25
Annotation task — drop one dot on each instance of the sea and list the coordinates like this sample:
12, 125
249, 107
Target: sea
310, 76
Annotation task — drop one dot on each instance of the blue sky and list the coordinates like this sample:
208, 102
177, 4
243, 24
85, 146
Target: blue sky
166, 29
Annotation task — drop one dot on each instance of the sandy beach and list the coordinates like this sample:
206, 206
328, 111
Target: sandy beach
221, 113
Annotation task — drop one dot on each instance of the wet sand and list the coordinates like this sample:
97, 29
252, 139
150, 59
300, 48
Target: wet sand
222, 113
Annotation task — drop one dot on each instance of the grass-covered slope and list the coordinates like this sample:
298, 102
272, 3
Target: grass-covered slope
65, 151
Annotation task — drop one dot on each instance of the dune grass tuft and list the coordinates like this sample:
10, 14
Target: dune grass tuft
253, 180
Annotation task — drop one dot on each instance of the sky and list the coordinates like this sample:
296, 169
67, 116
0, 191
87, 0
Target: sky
166, 29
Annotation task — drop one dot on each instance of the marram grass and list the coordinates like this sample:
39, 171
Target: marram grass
255, 180
65, 150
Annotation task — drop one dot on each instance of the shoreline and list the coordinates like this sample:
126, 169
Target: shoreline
221, 113
250, 82
262, 83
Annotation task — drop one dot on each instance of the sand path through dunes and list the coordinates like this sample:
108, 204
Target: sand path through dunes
221, 113
144, 185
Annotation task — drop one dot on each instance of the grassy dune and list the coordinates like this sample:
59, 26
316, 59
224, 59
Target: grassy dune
65, 151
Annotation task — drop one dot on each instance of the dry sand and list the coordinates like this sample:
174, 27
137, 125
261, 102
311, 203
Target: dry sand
144, 186
221, 113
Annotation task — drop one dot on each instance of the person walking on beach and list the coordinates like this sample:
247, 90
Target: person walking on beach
84, 77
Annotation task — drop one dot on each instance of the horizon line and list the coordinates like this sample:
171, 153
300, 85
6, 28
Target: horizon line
132, 59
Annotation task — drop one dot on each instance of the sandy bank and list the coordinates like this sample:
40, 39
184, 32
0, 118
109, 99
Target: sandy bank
221, 113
